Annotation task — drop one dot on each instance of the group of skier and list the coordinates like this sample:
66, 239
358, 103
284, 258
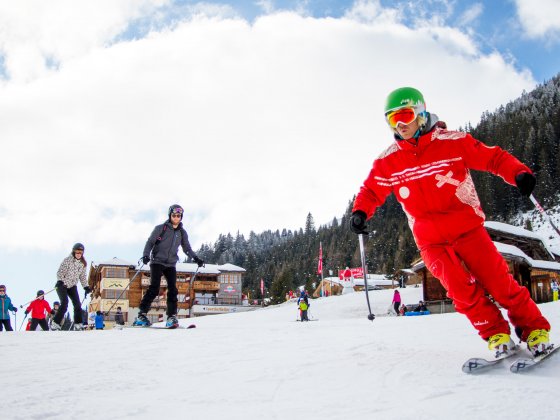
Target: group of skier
161, 251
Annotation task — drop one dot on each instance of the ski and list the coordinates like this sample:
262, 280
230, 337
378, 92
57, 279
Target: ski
152, 327
525, 363
477, 364
178, 327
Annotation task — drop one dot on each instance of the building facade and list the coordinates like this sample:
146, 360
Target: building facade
118, 283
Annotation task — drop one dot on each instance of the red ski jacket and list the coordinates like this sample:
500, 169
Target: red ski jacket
38, 308
432, 182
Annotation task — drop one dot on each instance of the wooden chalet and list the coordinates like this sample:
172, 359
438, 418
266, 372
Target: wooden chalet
530, 262
112, 286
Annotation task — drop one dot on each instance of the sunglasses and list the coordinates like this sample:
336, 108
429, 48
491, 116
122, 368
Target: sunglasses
401, 116
176, 215
2, 291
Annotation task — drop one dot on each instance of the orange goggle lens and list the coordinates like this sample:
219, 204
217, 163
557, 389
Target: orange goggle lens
401, 116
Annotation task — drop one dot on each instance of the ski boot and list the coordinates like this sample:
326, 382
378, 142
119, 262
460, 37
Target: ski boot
78, 327
55, 326
537, 342
172, 322
501, 344
141, 321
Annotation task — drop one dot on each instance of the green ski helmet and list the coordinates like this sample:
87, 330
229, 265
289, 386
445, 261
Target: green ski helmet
405, 97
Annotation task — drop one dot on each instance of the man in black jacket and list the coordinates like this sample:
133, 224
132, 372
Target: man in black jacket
163, 245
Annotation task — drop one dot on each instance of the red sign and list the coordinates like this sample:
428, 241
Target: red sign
357, 273
320, 265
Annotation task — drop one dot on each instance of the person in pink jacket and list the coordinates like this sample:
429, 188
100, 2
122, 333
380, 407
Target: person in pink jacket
397, 302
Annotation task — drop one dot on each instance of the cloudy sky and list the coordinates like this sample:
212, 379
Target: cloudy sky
250, 114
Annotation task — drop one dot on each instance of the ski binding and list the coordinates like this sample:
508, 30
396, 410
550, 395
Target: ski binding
525, 363
477, 364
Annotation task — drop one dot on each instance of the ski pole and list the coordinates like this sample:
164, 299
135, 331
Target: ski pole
371, 316
544, 213
44, 294
15, 319
22, 322
126, 288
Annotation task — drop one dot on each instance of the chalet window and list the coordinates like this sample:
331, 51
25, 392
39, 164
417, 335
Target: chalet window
116, 272
114, 294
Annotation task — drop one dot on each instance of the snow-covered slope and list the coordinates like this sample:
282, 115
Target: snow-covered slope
264, 365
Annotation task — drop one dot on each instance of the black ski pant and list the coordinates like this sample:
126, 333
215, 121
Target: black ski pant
304, 315
170, 273
64, 294
5, 323
41, 322
397, 306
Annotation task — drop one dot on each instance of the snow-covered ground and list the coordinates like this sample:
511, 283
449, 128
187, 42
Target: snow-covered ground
264, 365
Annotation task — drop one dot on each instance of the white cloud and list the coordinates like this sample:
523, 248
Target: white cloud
471, 14
249, 126
539, 19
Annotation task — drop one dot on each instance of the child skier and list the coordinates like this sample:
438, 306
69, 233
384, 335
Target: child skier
5, 306
303, 307
427, 168
39, 309
71, 271
162, 246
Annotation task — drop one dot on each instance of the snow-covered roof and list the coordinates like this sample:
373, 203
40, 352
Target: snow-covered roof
230, 267
115, 262
514, 230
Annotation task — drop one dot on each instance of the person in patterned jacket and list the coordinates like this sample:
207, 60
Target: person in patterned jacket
428, 169
72, 270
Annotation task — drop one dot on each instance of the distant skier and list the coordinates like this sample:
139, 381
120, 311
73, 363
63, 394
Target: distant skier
119, 317
428, 170
303, 307
396, 302
161, 248
56, 307
71, 271
99, 320
5, 306
39, 309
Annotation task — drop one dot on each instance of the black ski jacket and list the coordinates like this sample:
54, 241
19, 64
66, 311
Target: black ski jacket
163, 244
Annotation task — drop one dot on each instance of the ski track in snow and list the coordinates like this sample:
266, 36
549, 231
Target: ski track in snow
264, 365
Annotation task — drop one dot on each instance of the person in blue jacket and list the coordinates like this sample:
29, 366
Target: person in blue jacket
99, 321
5, 306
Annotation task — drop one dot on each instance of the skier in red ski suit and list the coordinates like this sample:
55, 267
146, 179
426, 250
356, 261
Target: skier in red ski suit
427, 168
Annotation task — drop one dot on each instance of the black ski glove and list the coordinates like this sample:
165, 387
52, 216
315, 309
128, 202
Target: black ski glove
358, 223
87, 291
14, 310
526, 182
26, 313
198, 261
145, 260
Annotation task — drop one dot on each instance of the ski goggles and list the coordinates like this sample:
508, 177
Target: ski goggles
177, 210
401, 116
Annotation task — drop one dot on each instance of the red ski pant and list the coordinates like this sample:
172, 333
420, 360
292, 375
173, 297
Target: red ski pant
470, 267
